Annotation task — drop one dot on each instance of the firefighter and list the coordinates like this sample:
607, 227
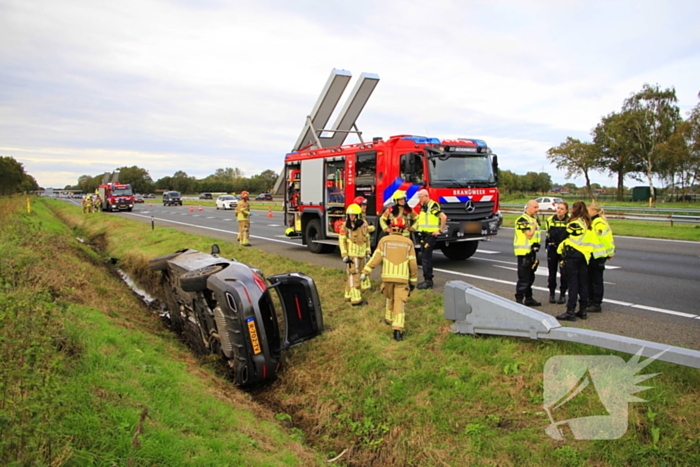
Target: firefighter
526, 244
577, 249
96, 203
431, 222
243, 216
555, 225
602, 253
397, 256
399, 209
354, 250
87, 204
366, 283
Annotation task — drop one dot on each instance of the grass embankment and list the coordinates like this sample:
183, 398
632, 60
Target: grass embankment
90, 377
434, 399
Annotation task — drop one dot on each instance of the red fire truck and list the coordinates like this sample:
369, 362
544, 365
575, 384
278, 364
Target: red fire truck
461, 174
116, 197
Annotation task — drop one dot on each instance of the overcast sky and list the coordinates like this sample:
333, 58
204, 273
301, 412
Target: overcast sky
87, 86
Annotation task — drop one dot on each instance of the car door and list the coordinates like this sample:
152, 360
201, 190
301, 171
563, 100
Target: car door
301, 305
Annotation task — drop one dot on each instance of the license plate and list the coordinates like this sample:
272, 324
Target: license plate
254, 336
470, 227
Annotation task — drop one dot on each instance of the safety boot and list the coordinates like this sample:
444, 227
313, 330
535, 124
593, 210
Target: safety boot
426, 284
362, 303
562, 298
518, 299
529, 301
552, 298
594, 308
570, 315
398, 335
581, 313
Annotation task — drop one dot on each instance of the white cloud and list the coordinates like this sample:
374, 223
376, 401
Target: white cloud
195, 86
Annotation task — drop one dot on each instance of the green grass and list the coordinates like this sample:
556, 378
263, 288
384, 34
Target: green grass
433, 399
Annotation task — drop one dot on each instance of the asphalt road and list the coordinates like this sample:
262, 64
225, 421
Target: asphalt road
652, 286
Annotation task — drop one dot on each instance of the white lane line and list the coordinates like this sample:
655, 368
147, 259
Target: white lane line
488, 252
544, 289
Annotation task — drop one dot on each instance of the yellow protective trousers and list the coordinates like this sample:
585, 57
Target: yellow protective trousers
353, 287
396, 295
243, 232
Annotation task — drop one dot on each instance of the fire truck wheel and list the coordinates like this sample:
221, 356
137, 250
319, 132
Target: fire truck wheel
161, 263
313, 233
458, 251
196, 281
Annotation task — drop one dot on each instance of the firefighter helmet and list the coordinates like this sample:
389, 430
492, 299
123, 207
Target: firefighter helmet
398, 224
244, 194
398, 194
360, 200
354, 209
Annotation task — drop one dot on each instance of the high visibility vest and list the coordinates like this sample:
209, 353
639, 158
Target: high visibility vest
580, 238
606, 246
521, 244
429, 217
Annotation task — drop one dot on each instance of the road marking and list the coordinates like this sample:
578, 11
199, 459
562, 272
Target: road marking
488, 252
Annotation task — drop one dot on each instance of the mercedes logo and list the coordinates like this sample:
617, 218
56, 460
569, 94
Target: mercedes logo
469, 206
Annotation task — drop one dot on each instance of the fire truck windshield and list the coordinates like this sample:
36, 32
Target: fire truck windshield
460, 171
122, 191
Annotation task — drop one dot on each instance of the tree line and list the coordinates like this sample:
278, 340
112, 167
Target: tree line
225, 180
647, 138
13, 178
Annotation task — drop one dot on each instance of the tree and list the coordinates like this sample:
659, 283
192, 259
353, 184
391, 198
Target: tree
614, 141
228, 174
139, 179
653, 117
13, 179
182, 182
577, 158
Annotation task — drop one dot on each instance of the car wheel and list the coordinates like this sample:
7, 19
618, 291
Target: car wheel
313, 233
161, 263
196, 281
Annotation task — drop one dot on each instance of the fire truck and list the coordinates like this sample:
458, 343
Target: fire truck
116, 197
321, 180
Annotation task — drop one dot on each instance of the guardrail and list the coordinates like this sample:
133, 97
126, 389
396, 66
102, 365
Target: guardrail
613, 213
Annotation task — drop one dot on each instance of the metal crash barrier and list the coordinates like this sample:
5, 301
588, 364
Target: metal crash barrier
475, 311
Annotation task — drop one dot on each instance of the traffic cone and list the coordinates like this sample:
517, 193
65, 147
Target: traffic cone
200, 208
150, 205
269, 212
191, 208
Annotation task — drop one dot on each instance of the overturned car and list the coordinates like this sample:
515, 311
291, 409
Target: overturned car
227, 308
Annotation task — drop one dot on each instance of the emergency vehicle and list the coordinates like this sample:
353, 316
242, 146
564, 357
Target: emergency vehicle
461, 174
116, 197
322, 176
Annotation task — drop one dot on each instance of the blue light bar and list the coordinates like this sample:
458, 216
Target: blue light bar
422, 140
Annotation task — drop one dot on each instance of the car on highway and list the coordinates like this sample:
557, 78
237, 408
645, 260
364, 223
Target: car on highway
227, 308
549, 203
138, 199
149, 195
226, 202
264, 197
172, 198
205, 196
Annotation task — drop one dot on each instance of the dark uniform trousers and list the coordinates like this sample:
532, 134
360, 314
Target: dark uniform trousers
595, 280
428, 242
526, 277
554, 260
577, 277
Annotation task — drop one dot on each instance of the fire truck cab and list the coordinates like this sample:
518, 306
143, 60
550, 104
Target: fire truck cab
461, 174
116, 197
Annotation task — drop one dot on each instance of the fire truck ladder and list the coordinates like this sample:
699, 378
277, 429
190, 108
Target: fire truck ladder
311, 136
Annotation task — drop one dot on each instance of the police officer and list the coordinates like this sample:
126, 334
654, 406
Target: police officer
354, 250
526, 244
397, 256
399, 209
431, 223
556, 233
243, 216
601, 254
577, 249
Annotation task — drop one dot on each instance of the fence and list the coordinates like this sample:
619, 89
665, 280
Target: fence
680, 216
